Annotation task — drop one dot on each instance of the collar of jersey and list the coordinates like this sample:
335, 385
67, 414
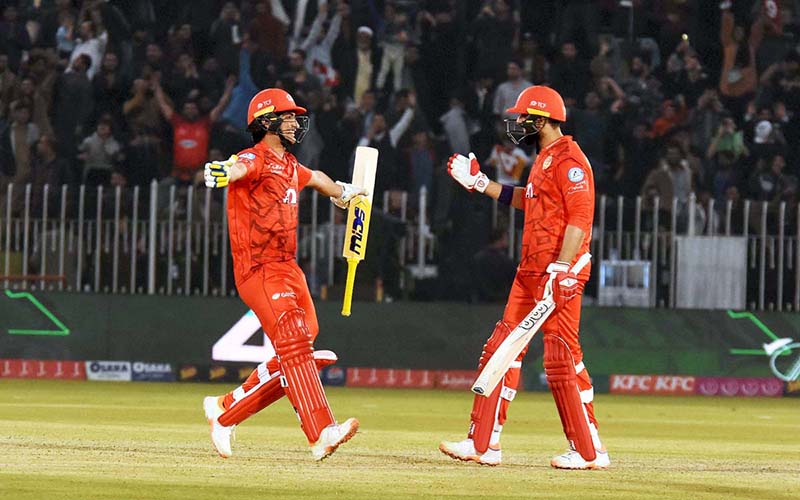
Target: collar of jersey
556, 142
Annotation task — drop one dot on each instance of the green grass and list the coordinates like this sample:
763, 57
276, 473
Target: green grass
86, 441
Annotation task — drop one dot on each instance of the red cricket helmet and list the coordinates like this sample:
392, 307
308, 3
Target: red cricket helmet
272, 101
541, 101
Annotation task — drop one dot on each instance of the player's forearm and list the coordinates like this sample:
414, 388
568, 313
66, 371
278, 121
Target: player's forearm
324, 184
238, 170
495, 189
573, 239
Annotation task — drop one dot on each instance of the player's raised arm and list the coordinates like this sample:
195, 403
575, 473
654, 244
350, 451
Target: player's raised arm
219, 174
467, 172
340, 193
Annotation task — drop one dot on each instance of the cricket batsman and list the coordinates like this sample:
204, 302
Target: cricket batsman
263, 185
558, 201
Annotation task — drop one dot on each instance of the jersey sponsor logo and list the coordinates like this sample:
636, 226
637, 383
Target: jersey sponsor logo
275, 168
529, 191
283, 295
576, 174
248, 156
188, 143
290, 198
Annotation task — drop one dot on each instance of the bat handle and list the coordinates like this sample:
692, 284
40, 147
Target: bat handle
352, 264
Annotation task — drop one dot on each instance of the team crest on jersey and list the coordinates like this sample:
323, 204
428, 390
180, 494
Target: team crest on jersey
247, 156
547, 162
575, 174
290, 198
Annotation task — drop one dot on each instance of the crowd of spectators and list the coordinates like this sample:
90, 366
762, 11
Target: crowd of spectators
665, 97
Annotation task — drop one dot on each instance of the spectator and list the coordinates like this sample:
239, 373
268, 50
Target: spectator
360, 70
769, 182
705, 119
226, 35
672, 178
768, 141
269, 28
393, 40
535, 67
673, 114
143, 157
142, 112
591, 127
728, 139
110, 89
47, 168
65, 35
456, 126
90, 44
318, 44
642, 90
781, 81
385, 140
190, 131
14, 39
507, 92
569, 74
738, 78
509, 161
72, 106
28, 93
493, 269
100, 153
493, 33
8, 85
16, 151
422, 161
245, 89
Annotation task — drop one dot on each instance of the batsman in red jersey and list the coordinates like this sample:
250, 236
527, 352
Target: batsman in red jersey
263, 186
558, 201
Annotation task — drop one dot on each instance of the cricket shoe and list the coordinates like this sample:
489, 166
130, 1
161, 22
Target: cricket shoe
465, 451
332, 436
221, 436
573, 460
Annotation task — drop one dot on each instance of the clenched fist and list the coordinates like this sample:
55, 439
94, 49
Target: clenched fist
467, 172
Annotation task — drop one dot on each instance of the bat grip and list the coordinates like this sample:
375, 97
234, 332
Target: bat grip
352, 264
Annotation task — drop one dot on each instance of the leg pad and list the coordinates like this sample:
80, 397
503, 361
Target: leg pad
559, 368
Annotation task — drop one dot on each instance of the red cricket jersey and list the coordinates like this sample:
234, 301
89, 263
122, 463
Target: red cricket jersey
262, 209
190, 145
560, 191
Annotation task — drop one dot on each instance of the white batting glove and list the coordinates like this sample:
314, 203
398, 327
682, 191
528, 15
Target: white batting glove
218, 173
467, 172
349, 192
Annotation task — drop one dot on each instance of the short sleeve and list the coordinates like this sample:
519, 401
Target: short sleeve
250, 160
303, 176
576, 182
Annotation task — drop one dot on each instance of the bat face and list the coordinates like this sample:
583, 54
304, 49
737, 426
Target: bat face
360, 211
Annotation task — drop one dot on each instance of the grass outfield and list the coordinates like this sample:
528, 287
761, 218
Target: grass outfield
92, 440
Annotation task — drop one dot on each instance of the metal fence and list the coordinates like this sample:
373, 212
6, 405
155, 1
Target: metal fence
171, 240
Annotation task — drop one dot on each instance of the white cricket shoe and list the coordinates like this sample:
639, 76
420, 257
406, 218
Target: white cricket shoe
221, 436
573, 460
465, 451
332, 436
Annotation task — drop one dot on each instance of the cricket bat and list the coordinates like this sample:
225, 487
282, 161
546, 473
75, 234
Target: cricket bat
497, 366
358, 217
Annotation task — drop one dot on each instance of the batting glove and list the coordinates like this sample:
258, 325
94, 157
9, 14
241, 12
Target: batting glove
561, 283
467, 172
218, 173
349, 192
